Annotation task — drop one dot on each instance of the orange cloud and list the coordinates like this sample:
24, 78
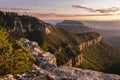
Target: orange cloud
108, 10
58, 16
67, 15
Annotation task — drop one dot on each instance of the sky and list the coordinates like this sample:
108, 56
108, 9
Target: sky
99, 10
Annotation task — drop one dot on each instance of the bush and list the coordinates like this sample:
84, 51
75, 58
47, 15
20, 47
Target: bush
14, 57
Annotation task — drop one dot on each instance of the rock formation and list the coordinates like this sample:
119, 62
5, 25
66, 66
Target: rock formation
47, 30
72, 73
75, 61
46, 68
30, 27
43, 59
90, 42
18, 26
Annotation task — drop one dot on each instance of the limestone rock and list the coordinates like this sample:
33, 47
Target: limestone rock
8, 77
47, 30
72, 73
90, 42
44, 59
75, 61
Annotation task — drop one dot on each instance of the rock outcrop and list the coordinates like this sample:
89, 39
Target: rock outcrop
72, 73
43, 59
90, 42
75, 61
62, 73
30, 27
47, 30
46, 68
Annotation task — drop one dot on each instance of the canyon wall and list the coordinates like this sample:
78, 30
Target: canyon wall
90, 42
46, 68
75, 61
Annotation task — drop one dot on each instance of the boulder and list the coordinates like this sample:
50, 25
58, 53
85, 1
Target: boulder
43, 59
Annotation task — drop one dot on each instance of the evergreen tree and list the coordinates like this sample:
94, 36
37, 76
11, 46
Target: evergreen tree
14, 57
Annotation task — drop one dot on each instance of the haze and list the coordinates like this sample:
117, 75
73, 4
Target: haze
65, 9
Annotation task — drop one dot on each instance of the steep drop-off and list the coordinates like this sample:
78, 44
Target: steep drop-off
61, 43
46, 68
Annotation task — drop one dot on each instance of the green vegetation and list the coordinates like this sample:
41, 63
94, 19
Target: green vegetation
65, 44
88, 36
61, 43
14, 58
100, 57
7, 20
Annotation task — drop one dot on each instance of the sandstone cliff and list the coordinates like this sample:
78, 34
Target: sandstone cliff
75, 61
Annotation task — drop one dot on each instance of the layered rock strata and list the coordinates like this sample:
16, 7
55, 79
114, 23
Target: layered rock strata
75, 61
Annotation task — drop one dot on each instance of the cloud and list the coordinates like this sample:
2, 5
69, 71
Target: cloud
66, 15
82, 7
14, 9
60, 4
107, 10
45, 16
54, 14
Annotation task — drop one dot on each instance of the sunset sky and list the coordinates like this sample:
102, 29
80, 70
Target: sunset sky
65, 9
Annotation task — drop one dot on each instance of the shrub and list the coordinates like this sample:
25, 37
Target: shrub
14, 57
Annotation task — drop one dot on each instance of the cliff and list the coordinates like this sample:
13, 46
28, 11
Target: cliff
67, 47
45, 68
44, 59
75, 61
90, 42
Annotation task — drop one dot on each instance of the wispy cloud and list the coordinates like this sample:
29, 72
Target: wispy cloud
67, 15
60, 5
54, 14
107, 10
14, 9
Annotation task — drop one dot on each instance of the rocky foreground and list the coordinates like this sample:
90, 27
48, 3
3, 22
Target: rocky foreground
46, 68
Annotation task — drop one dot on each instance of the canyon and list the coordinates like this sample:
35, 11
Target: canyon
59, 54
46, 68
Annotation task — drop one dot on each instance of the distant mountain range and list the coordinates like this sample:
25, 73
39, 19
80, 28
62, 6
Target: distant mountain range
102, 27
73, 26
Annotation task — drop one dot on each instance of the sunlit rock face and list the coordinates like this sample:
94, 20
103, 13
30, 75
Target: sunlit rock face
72, 73
62, 73
47, 30
76, 61
90, 42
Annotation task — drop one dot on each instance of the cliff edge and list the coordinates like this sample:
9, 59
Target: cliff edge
47, 69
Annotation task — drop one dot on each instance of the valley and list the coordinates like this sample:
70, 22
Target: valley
58, 46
